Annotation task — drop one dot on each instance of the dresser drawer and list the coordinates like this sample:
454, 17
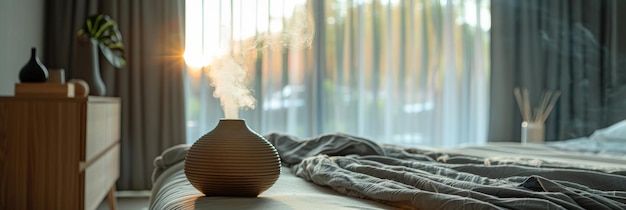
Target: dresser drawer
103, 129
58, 153
100, 176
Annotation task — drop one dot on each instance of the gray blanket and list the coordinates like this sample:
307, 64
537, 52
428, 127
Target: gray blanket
423, 179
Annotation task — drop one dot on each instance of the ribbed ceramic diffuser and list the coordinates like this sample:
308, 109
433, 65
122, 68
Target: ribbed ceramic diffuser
232, 160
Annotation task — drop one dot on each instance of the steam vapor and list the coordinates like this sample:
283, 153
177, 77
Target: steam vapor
229, 79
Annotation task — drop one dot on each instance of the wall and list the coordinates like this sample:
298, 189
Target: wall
22, 26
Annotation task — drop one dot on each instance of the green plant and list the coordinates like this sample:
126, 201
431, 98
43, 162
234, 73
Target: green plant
102, 28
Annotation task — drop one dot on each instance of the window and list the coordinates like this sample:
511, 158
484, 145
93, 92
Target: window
402, 72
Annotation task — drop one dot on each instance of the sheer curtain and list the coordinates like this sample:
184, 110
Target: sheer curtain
403, 72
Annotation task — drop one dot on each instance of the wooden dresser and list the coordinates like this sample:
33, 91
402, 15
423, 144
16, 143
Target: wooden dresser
58, 153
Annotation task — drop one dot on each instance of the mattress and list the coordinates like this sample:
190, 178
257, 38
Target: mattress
339, 171
171, 190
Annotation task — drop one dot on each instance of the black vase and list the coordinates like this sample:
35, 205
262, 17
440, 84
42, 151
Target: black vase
34, 70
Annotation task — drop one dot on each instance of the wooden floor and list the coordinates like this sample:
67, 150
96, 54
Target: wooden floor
128, 201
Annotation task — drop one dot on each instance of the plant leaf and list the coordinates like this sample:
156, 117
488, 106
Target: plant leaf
104, 29
114, 56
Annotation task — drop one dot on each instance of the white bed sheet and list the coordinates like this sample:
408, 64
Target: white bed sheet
549, 153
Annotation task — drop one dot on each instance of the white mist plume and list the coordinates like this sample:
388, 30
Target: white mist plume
297, 32
229, 79
229, 76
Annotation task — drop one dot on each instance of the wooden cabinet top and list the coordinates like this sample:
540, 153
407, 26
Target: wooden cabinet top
91, 99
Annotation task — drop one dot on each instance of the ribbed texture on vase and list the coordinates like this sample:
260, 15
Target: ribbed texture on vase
232, 160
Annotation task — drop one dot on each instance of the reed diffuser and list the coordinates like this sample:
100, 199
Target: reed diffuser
534, 118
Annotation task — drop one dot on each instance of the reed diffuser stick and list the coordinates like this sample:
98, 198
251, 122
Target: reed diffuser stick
545, 98
518, 98
540, 113
526, 100
551, 106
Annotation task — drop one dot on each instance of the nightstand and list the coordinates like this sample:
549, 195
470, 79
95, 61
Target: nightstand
58, 153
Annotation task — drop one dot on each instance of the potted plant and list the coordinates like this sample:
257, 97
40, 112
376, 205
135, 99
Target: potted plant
98, 31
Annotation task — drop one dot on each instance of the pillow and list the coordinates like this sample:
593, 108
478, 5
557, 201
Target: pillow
615, 132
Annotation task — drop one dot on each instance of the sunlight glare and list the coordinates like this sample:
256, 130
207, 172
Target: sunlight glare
202, 44
211, 27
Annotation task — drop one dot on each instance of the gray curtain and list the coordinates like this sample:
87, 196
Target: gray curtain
577, 47
150, 85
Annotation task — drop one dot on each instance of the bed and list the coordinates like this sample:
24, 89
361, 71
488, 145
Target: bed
340, 171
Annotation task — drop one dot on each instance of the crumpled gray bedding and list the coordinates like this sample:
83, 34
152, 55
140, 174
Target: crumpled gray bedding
425, 179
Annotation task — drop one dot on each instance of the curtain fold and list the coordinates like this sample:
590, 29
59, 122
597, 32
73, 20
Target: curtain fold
151, 84
570, 46
151, 87
403, 72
